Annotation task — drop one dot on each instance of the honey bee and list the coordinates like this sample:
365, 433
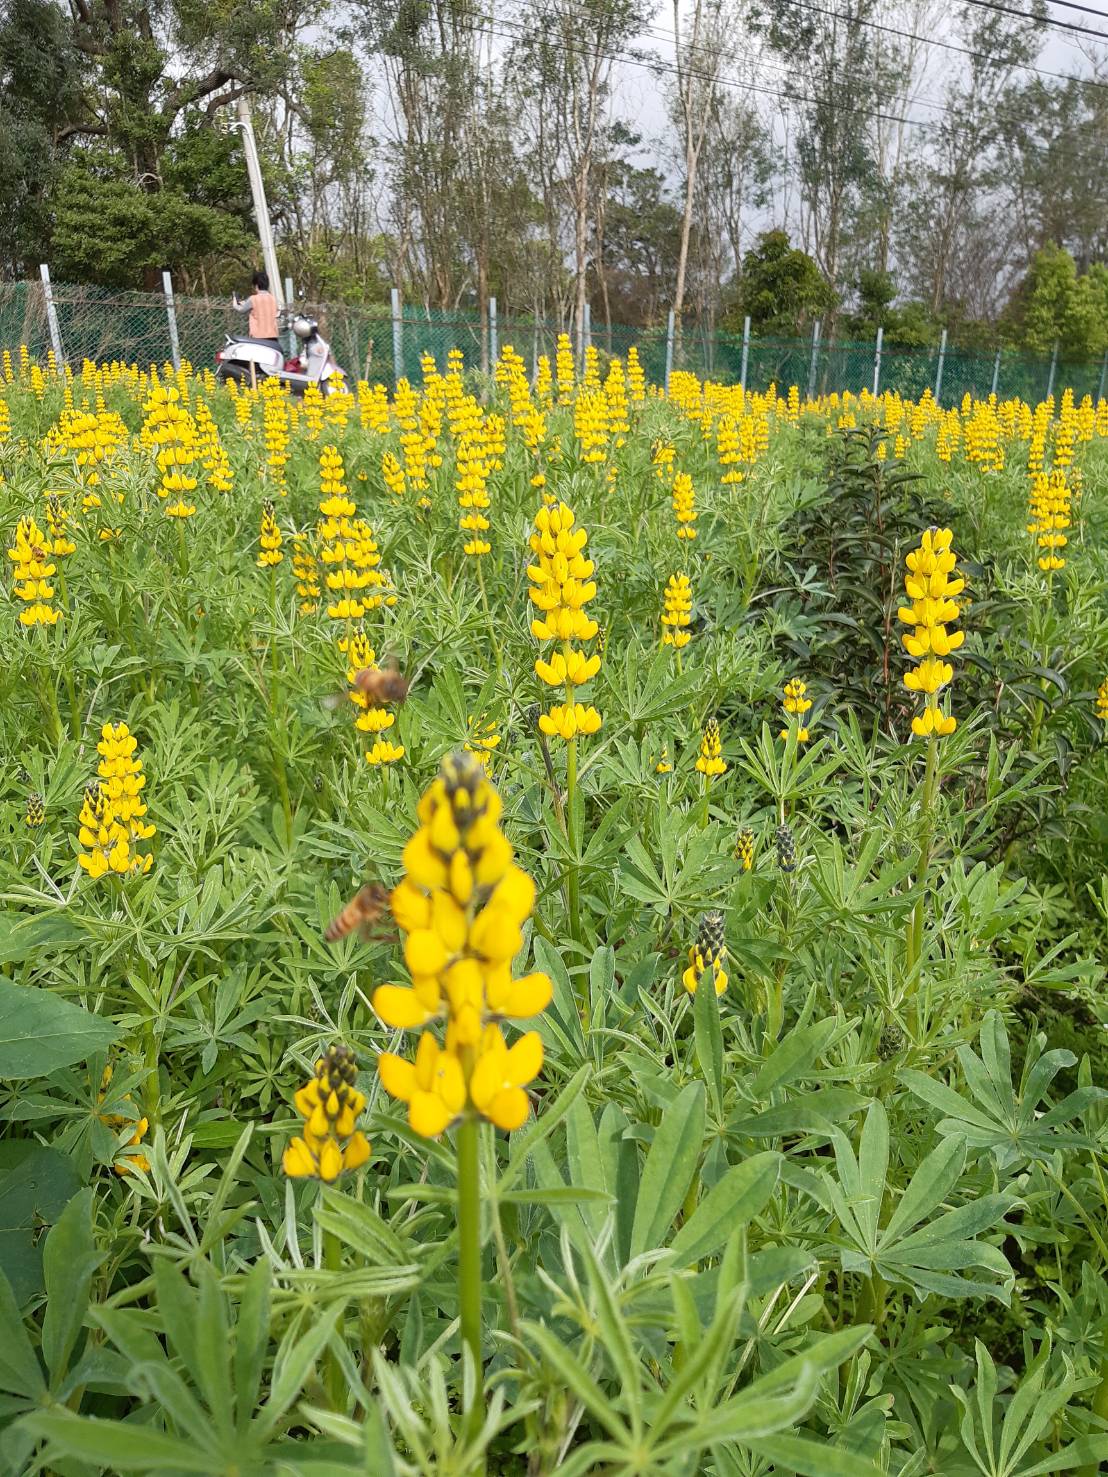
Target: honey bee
38, 553
382, 684
365, 912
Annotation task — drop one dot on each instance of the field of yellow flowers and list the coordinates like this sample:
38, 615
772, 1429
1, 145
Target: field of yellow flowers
550, 927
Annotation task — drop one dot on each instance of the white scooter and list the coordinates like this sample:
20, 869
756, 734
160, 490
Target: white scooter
248, 360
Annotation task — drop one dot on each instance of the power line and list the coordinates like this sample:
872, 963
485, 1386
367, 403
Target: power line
1055, 25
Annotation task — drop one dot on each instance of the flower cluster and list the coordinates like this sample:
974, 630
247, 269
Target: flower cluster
461, 907
786, 848
561, 587
330, 1142
744, 848
172, 431
796, 704
684, 505
1050, 517
709, 761
269, 539
305, 569
482, 738
373, 717
36, 811
677, 612
31, 575
111, 820
708, 952
931, 589
1102, 701
347, 547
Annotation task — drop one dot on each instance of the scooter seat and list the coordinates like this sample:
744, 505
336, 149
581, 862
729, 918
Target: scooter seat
263, 343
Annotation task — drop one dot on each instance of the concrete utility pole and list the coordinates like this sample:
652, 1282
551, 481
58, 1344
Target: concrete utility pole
245, 126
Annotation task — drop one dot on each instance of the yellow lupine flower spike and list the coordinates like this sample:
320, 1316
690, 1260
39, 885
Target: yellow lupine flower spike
461, 907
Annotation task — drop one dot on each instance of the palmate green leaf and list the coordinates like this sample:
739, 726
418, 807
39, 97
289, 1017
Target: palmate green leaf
40, 1032
927, 1255
20, 1371
795, 1054
1013, 1126
670, 1164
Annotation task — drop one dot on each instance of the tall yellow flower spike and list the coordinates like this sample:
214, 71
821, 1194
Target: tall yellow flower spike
111, 820
461, 907
796, 704
561, 587
330, 1143
931, 589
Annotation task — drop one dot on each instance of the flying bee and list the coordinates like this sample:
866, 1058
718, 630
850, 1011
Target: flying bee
365, 912
378, 685
382, 684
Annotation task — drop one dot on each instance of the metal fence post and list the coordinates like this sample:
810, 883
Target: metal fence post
397, 337
171, 319
1053, 367
494, 340
815, 360
669, 346
746, 350
996, 373
52, 317
586, 334
877, 362
1103, 377
939, 368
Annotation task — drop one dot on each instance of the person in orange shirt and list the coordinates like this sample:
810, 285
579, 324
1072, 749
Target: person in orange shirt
262, 307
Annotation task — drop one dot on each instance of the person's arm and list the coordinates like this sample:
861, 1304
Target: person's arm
239, 307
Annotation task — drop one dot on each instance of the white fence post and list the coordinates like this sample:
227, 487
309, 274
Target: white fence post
877, 362
669, 346
815, 360
52, 317
171, 319
397, 337
1103, 377
494, 338
746, 350
939, 369
996, 373
1053, 368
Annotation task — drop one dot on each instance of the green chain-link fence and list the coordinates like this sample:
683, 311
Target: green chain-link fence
370, 343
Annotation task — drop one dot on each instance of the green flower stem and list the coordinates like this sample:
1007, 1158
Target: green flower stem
573, 892
479, 559
914, 938
871, 1305
279, 771
333, 1375
704, 802
469, 1262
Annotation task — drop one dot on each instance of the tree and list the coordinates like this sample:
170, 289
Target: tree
781, 288
1055, 305
697, 48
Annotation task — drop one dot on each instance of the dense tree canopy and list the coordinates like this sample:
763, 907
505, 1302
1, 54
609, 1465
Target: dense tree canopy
901, 166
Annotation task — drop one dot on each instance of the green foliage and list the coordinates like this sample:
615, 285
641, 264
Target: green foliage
1056, 305
781, 288
845, 1219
